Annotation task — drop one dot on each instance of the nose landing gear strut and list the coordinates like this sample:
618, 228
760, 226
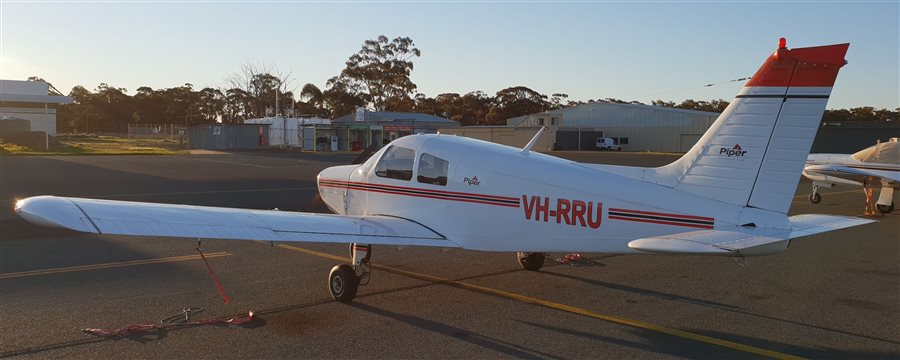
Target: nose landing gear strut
815, 198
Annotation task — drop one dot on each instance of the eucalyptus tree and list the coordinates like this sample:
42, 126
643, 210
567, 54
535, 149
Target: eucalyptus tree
516, 101
211, 104
380, 72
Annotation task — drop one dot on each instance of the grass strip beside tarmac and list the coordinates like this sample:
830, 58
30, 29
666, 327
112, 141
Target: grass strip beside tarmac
95, 145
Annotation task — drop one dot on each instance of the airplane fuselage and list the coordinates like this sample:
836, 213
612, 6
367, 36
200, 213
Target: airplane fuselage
497, 198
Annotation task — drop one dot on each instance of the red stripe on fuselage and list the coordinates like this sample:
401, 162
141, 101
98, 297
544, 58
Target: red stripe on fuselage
418, 195
660, 222
420, 189
664, 214
420, 192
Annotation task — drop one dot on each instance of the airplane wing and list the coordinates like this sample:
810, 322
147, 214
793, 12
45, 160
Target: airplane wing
891, 176
150, 219
741, 241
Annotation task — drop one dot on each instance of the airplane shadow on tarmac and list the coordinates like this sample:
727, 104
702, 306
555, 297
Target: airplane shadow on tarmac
671, 345
487, 342
716, 305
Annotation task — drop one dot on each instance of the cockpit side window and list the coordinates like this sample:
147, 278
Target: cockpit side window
397, 163
433, 170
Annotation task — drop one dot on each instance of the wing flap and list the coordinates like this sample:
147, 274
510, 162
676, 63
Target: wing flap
744, 241
150, 219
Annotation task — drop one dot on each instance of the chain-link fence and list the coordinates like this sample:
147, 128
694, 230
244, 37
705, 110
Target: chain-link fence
169, 136
156, 131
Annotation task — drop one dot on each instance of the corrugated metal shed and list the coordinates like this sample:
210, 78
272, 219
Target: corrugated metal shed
228, 136
511, 136
640, 127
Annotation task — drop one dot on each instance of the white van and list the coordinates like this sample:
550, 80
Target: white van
605, 143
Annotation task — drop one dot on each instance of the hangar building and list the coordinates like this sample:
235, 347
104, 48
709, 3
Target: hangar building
30, 100
636, 127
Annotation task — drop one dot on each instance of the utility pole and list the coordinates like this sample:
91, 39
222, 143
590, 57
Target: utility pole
187, 143
46, 131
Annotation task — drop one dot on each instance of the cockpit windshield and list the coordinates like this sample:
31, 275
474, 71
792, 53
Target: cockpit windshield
397, 163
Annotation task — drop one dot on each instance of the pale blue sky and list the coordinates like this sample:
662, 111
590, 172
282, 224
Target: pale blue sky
593, 50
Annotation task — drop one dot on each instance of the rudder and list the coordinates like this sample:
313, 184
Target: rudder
754, 152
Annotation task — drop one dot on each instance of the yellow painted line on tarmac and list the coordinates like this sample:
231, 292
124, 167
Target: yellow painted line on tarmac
562, 307
109, 265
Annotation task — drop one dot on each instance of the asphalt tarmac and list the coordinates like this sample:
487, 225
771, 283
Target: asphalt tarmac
834, 295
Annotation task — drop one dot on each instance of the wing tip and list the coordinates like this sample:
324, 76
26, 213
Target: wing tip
52, 211
812, 224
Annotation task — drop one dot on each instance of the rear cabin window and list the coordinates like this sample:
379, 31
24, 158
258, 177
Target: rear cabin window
397, 163
433, 170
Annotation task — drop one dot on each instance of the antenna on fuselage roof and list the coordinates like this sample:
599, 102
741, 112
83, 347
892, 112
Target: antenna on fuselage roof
527, 148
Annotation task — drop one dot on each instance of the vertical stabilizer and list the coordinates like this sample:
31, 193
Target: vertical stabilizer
754, 152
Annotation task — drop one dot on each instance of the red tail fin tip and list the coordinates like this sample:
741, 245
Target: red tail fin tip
801, 67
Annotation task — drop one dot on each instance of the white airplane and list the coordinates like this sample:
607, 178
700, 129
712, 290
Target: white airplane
729, 195
873, 166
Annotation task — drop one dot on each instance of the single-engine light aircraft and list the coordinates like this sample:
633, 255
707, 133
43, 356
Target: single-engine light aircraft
874, 166
729, 195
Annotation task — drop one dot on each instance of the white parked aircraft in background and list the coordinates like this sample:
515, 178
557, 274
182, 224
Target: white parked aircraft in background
875, 166
729, 195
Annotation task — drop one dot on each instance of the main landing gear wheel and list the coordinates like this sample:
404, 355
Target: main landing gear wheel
343, 283
885, 209
344, 280
530, 261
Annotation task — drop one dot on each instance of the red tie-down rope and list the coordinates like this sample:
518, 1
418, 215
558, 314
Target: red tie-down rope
218, 284
576, 260
180, 320
169, 323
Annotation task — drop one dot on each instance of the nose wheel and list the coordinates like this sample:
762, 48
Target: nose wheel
885, 209
343, 283
815, 198
344, 280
